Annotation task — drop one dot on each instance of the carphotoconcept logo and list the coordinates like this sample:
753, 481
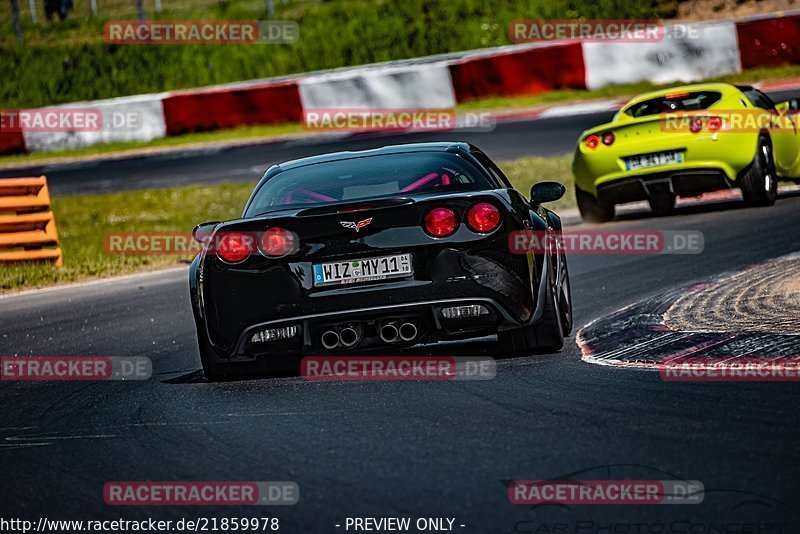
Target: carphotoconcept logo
566, 503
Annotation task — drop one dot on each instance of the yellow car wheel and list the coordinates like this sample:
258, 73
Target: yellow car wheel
760, 183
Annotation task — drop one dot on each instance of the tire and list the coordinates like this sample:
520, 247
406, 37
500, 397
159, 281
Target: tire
662, 204
215, 371
566, 303
546, 336
759, 183
592, 210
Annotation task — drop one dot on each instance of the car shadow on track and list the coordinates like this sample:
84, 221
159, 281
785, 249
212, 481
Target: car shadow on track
484, 346
192, 377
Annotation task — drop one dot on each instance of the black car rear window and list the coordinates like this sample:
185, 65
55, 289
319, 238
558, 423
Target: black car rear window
368, 177
679, 101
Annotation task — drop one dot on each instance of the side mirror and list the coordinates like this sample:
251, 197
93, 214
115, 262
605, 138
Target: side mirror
542, 192
202, 232
789, 106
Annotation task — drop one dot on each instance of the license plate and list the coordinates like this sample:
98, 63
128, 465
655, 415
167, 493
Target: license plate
362, 270
651, 160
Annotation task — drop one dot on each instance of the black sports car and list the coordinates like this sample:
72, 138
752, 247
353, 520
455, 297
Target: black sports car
381, 249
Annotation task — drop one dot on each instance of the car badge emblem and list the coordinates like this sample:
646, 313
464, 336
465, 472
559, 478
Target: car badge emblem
356, 226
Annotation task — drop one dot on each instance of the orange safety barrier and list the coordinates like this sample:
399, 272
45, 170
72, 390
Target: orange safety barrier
27, 225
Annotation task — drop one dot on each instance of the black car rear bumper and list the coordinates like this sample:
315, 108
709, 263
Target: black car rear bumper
504, 312
426, 316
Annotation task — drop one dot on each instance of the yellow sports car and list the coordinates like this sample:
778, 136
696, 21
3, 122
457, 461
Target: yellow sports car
686, 141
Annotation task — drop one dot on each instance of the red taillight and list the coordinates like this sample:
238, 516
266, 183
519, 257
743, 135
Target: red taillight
483, 217
696, 124
277, 242
608, 138
714, 124
592, 141
441, 222
234, 247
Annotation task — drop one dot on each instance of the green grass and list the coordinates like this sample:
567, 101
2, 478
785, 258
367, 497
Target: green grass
85, 220
525, 172
69, 61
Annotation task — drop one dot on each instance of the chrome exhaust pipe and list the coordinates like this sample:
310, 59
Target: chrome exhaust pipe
330, 339
407, 331
388, 333
349, 337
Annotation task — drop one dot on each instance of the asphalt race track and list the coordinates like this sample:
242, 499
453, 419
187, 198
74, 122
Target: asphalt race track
408, 448
414, 449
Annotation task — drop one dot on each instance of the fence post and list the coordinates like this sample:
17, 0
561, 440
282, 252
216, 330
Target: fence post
17, 23
32, 7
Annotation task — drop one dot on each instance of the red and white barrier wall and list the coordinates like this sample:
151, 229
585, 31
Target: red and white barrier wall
216, 108
129, 118
713, 52
418, 86
720, 47
519, 70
